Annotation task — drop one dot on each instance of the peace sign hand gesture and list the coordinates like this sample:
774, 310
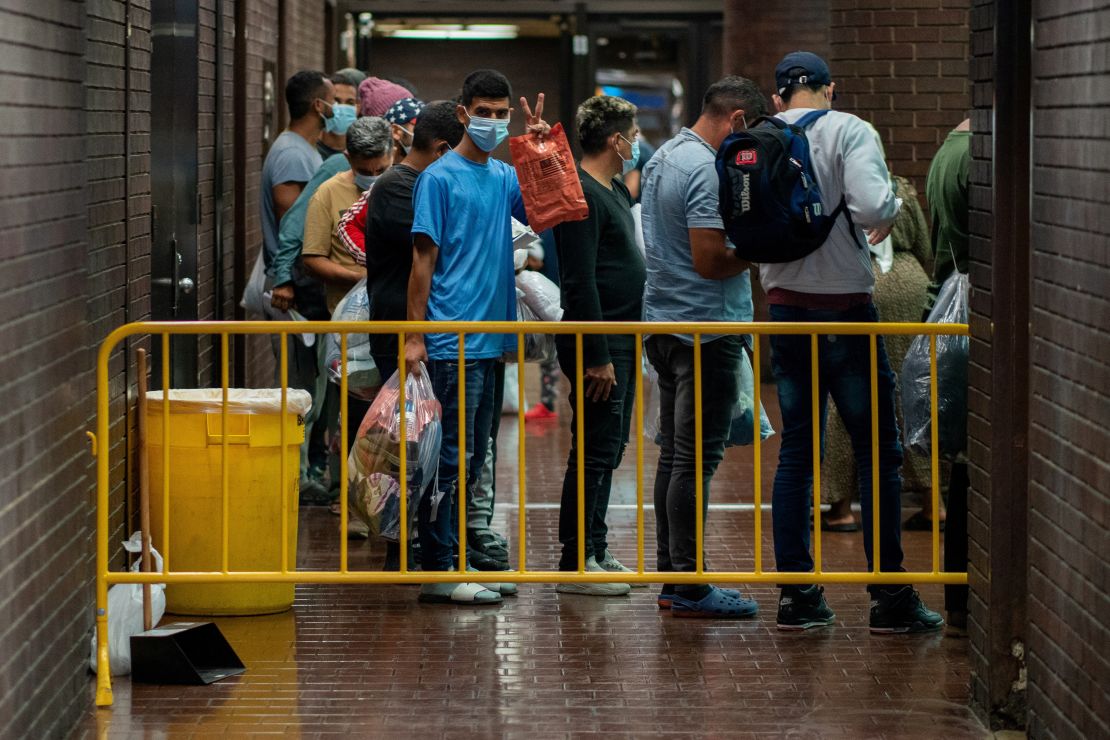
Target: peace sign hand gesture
534, 120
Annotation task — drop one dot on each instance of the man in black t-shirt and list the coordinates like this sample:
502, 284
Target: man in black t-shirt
601, 275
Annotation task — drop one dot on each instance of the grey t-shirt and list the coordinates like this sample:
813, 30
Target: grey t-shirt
290, 159
679, 190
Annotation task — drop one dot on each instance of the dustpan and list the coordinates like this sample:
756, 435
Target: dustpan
181, 652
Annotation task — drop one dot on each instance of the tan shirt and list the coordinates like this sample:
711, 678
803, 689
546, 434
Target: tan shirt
328, 204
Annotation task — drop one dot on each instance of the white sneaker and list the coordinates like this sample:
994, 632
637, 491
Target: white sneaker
613, 565
594, 589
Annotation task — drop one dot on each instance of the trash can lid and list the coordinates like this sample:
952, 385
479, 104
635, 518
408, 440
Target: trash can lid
239, 400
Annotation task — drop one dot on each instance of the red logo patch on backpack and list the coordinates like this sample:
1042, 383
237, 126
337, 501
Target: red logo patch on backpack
747, 158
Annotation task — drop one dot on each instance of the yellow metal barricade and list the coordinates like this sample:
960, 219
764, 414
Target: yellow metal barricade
105, 577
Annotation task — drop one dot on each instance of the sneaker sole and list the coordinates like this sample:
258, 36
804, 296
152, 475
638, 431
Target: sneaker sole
806, 626
580, 590
692, 614
915, 629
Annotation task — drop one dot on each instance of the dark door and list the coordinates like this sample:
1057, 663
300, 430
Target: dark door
175, 201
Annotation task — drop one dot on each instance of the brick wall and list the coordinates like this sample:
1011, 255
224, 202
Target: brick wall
1069, 491
45, 379
981, 224
118, 192
755, 38
902, 65
75, 236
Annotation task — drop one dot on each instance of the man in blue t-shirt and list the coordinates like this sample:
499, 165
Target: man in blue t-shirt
462, 270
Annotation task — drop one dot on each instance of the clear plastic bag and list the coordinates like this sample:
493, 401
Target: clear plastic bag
374, 465
952, 353
740, 434
252, 300
651, 402
537, 347
363, 377
125, 611
540, 294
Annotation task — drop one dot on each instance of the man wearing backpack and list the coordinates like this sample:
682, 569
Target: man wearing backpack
833, 283
694, 275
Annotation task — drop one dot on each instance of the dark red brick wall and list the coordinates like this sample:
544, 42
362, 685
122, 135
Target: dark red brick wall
757, 35
1069, 487
75, 235
981, 361
902, 65
45, 378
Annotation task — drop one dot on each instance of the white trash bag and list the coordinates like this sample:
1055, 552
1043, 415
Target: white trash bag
540, 294
125, 611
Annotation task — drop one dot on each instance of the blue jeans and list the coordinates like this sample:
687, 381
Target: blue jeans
437, 516
845, 374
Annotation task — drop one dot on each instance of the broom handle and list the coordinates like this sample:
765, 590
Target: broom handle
144, 487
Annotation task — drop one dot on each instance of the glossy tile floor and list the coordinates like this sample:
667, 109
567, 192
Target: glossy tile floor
369, 661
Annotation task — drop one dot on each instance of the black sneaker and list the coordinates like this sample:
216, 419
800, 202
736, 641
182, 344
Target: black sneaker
901, 610
801, 608
485, 552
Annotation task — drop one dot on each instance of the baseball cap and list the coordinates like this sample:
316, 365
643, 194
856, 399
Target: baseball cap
404, 111
801, 68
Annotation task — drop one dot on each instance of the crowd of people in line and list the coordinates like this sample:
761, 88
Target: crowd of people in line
369, 182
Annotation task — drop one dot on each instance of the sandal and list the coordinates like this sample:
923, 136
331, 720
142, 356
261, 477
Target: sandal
920, 523
466, 594
715, 605
826, 526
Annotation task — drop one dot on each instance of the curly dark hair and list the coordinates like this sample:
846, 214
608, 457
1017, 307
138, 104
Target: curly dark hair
599, 118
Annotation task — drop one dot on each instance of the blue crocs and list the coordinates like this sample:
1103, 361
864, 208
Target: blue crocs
666, 598
717, 604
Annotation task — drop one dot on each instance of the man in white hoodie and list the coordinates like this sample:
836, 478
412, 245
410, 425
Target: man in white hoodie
834, 284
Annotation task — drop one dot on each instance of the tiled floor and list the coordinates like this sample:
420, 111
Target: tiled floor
370, 661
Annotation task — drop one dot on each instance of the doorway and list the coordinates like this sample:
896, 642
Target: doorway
175, 200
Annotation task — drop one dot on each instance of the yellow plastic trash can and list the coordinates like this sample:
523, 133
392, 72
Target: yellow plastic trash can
255, 490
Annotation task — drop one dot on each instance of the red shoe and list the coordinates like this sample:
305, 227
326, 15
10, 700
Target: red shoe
539, 411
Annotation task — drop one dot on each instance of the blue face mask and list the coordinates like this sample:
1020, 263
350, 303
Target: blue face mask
627, 165
365, 182
487, 133
342, 116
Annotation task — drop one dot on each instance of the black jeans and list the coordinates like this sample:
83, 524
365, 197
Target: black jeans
606, 428
675, 482
955, 537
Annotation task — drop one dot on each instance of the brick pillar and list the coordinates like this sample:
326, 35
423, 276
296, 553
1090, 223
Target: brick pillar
998, 374
903, 66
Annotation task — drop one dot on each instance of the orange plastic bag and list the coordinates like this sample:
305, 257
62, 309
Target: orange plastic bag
548, 178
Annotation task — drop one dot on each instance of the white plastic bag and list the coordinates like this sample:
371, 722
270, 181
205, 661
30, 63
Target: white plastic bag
952, 359
540, 294
125, 611
637, 220
510, 403
252, 299
363, 377
651, 401
537, 347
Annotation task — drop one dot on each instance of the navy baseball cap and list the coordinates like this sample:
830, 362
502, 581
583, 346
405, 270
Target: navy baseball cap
801, 68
